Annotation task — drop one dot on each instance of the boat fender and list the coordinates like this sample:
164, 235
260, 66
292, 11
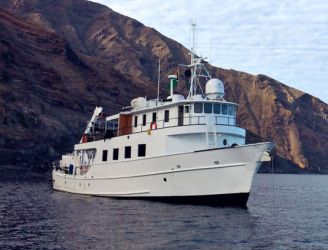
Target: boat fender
153, 126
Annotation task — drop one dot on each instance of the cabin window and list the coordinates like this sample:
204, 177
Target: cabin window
225, 142
224, 109
136, 121
88, 156
141, 150
230, 110
166, 115
111, 128
104, 155
217, 108
154, 117
144, 120
208, 108
198, 107
115, 154
127, 153
187, 109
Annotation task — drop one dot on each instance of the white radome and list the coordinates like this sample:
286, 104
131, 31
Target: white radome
214, 89
139, 103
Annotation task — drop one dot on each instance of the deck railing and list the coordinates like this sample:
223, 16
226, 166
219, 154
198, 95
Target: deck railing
161, 124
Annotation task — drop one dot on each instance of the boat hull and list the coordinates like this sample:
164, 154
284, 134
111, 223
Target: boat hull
238, 200
211, 177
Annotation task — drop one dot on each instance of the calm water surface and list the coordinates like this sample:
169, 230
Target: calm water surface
293, 215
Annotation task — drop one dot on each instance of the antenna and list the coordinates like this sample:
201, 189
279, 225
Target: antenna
193, 48
197, 66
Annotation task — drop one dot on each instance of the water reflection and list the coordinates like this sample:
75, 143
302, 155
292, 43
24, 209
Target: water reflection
34, 216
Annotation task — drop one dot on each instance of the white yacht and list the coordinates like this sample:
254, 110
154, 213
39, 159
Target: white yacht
181, 149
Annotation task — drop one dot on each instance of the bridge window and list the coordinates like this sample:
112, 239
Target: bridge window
224, 109
115, 154
230, 110
217, 108
208, 108
187, 109
142, 150
198, 107
166, 115
127, 152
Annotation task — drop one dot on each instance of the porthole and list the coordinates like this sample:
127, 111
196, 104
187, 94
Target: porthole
164, 179
225, 142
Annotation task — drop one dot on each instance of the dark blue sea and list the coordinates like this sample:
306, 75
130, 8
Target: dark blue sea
284, 212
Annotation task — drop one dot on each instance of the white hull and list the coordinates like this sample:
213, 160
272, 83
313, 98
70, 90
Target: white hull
204, 173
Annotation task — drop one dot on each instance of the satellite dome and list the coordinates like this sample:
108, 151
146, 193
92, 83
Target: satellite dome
214, 89
139, 103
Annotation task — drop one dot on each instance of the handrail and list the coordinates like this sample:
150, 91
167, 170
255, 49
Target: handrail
191, 121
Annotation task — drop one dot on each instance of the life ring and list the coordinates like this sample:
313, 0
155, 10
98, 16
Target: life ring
153, 126
84, 139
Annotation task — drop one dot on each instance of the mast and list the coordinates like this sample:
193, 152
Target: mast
197, 67
158, 80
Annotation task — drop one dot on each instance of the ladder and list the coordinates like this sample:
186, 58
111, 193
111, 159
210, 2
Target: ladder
211, 137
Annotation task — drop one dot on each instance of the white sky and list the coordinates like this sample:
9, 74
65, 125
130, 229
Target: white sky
286, 40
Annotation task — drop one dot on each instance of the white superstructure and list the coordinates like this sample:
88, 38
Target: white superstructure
178, 149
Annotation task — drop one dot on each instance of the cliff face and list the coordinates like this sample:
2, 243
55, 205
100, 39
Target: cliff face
48, 91
61, 58
96, 30
295, 121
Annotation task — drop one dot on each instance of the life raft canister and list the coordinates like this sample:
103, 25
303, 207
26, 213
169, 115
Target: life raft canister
153, 126
84, 139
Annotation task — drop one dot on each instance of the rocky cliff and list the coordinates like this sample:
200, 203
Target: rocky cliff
61, 58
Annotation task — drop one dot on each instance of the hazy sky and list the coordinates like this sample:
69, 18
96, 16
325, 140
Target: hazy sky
286, 40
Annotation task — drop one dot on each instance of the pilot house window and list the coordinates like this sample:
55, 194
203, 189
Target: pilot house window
230, 110
187, 109
224, 109
217, 108
208, 108
198, 108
